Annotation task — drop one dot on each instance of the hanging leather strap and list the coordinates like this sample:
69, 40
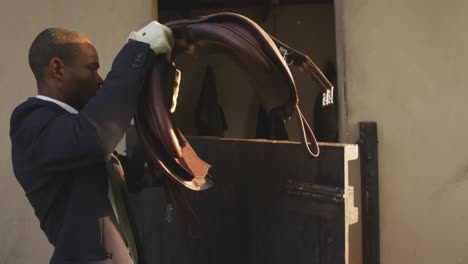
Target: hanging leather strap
307, 133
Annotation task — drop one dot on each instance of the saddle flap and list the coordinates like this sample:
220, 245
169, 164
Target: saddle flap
249, 46
160, 139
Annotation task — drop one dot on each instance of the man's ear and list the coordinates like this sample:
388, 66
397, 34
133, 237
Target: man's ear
56, 68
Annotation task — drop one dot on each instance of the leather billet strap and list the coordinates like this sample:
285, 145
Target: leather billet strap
256, 53
304, 63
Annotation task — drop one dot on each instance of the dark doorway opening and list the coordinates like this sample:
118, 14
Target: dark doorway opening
308, 26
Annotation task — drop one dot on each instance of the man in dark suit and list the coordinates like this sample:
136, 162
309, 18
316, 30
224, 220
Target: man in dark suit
62, 139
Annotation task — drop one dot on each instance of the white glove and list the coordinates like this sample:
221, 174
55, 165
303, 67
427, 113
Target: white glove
158, 36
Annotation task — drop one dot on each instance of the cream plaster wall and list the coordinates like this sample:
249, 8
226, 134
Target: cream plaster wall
107, 23
406, 67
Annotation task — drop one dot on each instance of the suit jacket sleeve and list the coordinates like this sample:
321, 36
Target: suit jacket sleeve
69, 141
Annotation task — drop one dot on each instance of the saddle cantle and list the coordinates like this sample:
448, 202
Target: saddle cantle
265, 60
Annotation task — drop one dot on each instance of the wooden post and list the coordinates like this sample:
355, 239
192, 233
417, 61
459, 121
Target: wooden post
370, 192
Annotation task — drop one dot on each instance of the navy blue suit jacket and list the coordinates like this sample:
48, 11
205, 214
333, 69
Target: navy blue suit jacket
59, 157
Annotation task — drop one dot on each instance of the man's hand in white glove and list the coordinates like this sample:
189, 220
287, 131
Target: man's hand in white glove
158, 36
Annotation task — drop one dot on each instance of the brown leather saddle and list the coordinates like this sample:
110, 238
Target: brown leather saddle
265, 60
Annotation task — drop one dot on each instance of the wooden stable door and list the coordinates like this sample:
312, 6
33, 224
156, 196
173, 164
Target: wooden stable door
270, 204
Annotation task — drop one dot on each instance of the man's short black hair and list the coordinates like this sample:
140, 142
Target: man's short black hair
53, 42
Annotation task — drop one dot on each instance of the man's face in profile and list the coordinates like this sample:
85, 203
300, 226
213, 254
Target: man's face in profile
82, 77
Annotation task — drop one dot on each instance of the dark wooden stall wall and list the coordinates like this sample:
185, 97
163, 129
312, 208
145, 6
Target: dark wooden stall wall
270, 204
